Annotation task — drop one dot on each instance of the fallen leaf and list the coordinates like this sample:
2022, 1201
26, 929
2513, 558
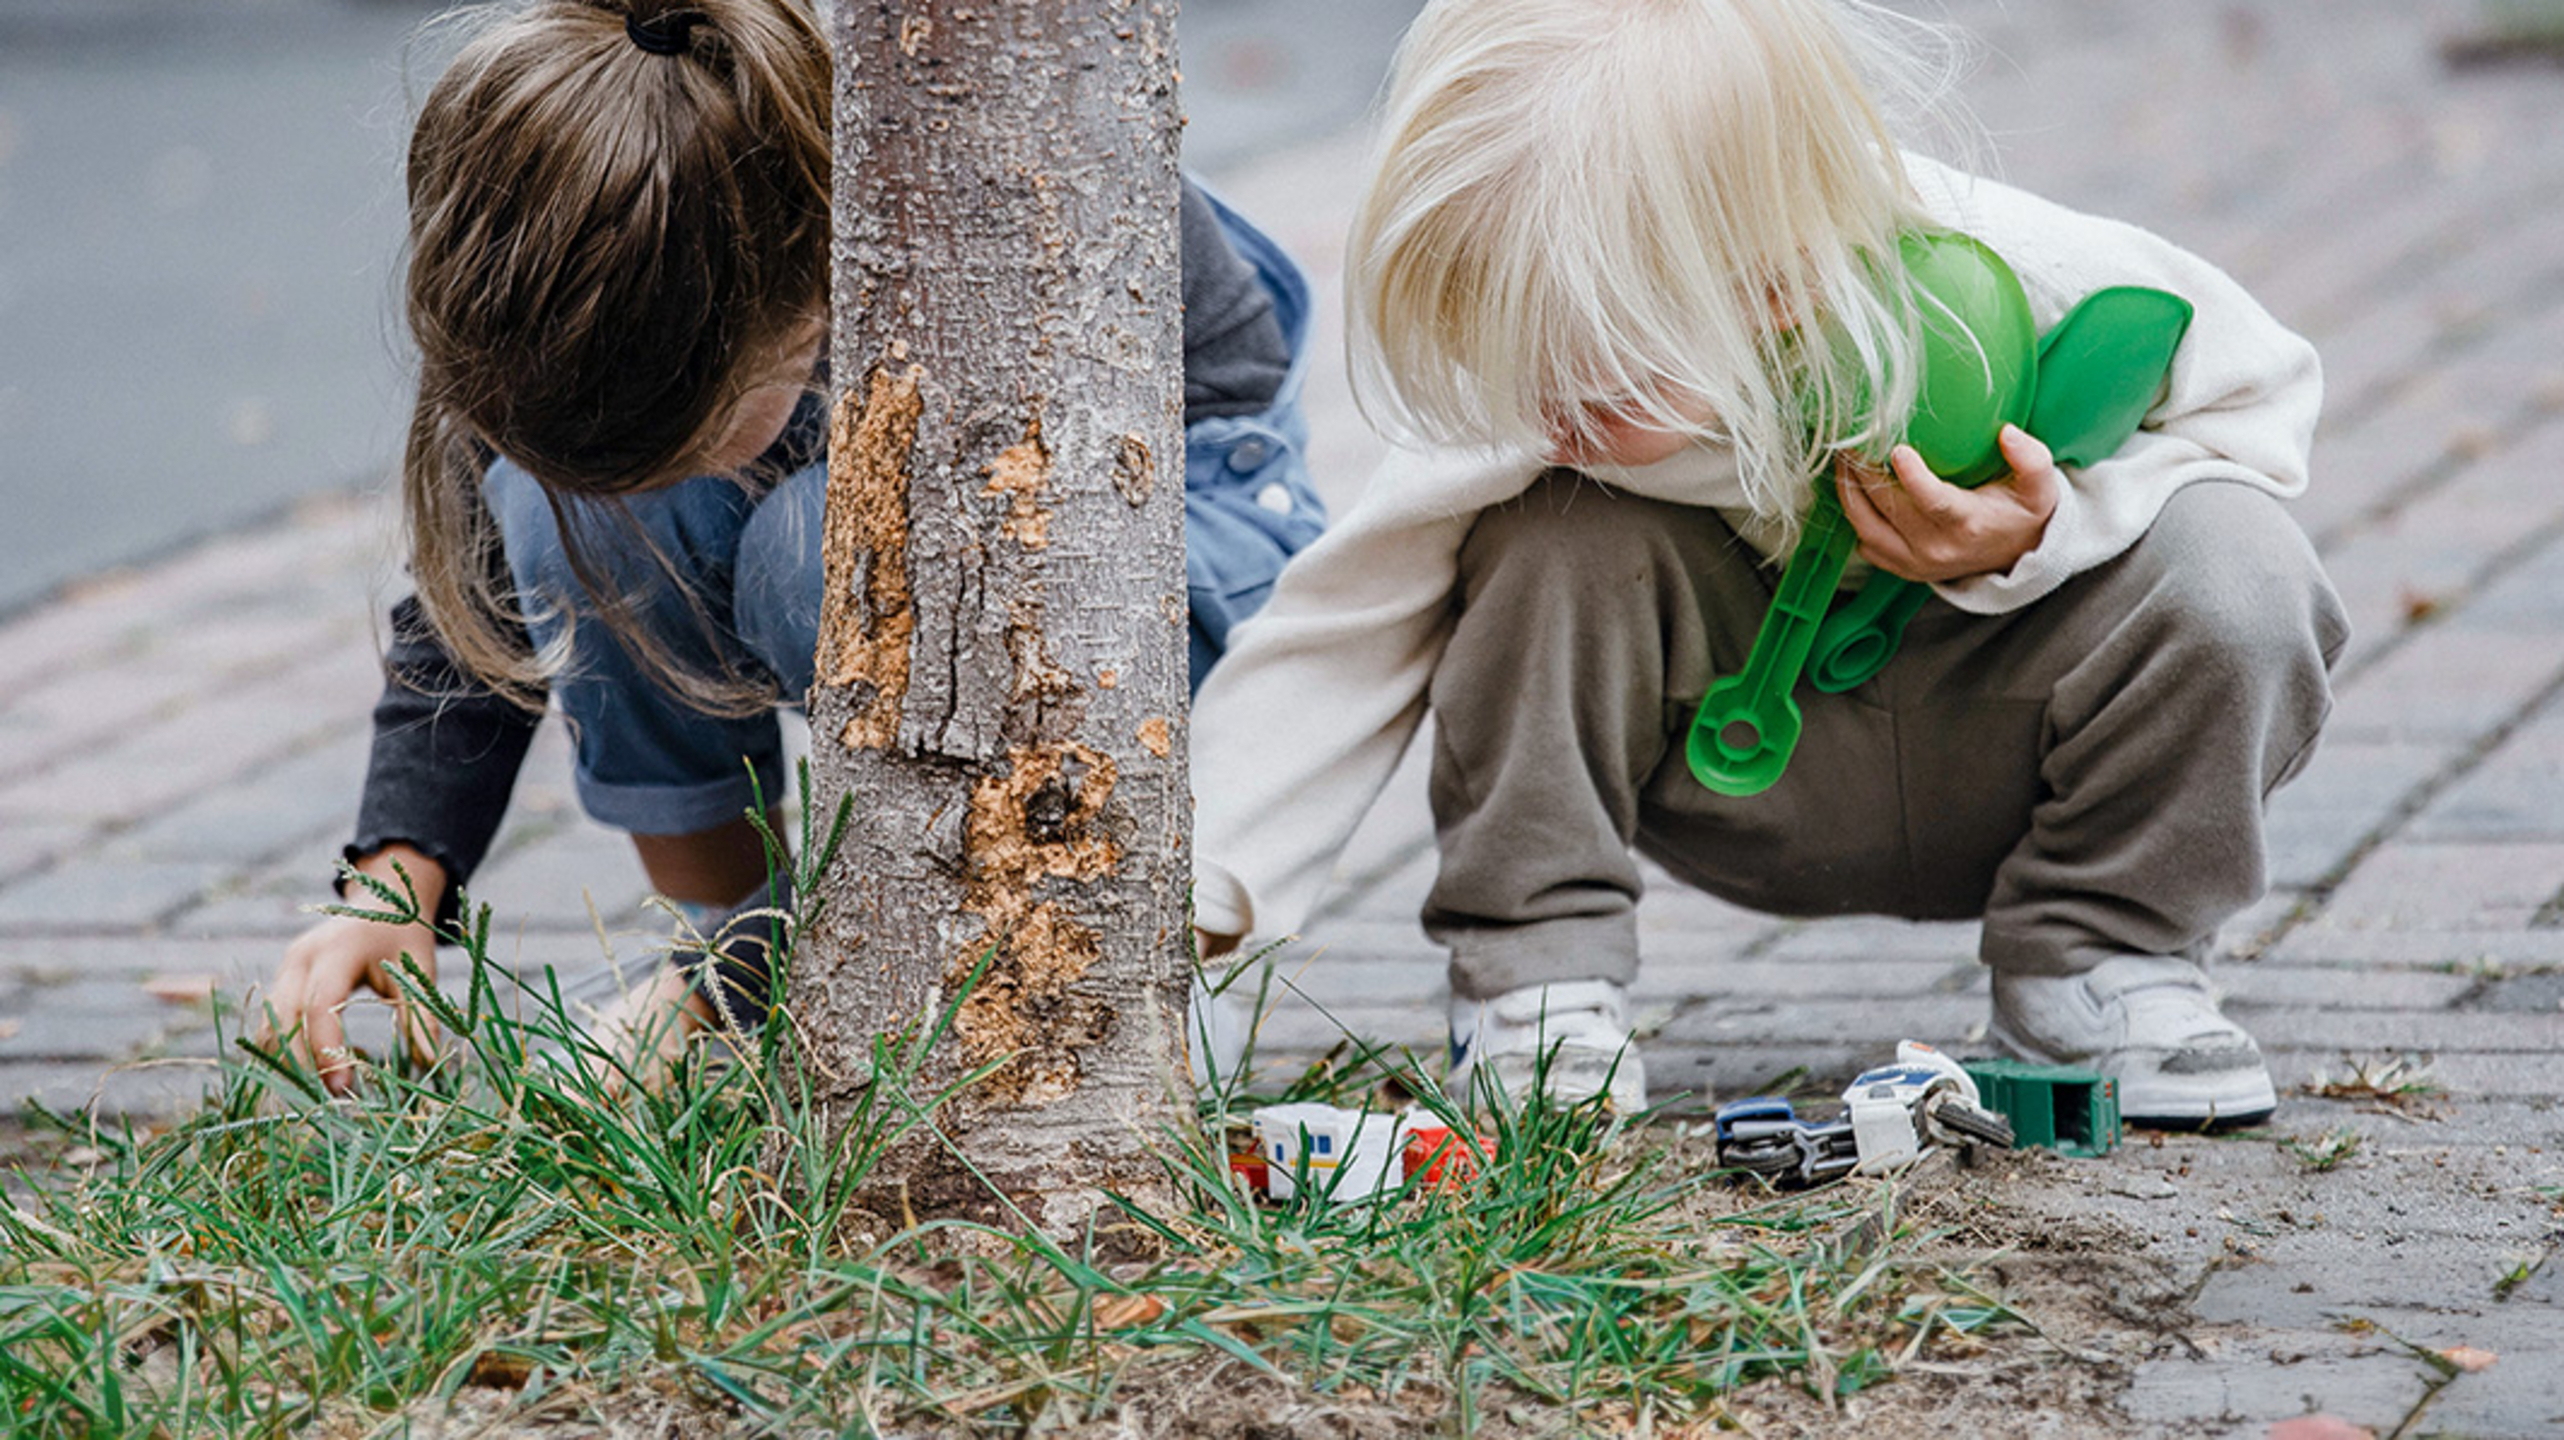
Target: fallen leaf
180, 989
2468, 1358
10, 1026
2320, 1427
500, 1370
1121, 1312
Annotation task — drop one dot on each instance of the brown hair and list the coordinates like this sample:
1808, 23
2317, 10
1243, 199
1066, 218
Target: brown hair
608, 248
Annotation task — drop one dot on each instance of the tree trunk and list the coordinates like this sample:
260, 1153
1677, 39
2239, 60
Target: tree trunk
1001, 652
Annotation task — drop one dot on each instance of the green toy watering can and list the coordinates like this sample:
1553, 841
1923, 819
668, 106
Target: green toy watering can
2083, 389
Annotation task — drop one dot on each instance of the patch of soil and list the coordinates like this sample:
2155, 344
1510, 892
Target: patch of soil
2095, 1304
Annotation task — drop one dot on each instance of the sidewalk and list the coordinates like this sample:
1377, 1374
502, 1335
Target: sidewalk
180, 748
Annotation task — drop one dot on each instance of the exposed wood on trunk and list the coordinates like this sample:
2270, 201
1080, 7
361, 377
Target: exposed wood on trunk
1002, 645
863, 640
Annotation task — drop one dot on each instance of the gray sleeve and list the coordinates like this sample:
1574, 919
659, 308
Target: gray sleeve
1235, 356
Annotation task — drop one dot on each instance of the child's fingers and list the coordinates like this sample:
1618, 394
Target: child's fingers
2034, 469
1936, 501
302, 1012
2025, 452
1881, 543
324, 1039
417, 1026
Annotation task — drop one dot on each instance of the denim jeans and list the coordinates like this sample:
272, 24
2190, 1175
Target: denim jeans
650, 763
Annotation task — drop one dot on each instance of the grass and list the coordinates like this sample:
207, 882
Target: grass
2326, 1152
530, 1238
2398, 1085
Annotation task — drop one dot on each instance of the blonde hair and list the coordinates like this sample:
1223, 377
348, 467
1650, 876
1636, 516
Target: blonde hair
609, 248
1640, 204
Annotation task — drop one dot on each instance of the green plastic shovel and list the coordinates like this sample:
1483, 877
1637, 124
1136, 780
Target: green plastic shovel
2099, 369
1979, 366
1984, 368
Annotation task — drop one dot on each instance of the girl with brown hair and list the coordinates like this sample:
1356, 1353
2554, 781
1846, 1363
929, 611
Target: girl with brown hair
614, 474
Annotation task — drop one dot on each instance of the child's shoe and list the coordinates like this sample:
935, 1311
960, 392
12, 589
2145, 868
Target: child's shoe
1572, 1038
2148, 1022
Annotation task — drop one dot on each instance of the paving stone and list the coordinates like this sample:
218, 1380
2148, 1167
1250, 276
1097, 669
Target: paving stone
1954, 942
2378, 1279
76, 631
2522, 995
2457, 688
2365, 1384
2527, 598
34, 845
2515, 793
153, 771
2251, 932
2451, 948
1832, 978
1730, 1071
1673, 908
93, 1020
2263, 985
332, 542
273, 906
84, 894
154, 1089
2368, 458
130, 959
2524, 1075
2441, 1031
2521, 1400
1414, 979
70, 711
2456, 886
549, 884
1297, 1028
1951, 1021
306, 800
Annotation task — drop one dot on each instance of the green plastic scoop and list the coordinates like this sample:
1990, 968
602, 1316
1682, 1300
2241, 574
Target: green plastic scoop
2098, 370
2084, 390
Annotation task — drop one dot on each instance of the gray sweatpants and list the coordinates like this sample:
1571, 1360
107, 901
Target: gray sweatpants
2087, 774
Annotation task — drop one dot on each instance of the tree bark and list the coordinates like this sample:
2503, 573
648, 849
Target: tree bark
1001, 649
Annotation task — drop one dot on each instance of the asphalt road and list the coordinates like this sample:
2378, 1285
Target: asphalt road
199, 228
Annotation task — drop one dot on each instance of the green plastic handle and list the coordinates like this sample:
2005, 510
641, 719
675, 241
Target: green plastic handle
2099, 369
1861, 636
1747, 725
1979, 358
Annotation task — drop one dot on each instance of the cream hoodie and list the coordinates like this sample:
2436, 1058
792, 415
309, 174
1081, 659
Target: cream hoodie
1303, 721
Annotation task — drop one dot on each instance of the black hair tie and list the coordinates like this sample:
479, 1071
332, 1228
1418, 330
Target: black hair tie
663, 34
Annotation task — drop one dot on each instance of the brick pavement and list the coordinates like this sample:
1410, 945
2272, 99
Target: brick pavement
181, 744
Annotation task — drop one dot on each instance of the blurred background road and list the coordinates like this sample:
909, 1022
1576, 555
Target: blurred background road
200, 218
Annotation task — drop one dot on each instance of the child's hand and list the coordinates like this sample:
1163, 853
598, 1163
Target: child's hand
1916, 525
326, 965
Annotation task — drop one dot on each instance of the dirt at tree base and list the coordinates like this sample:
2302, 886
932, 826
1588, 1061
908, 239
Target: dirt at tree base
2096, 1304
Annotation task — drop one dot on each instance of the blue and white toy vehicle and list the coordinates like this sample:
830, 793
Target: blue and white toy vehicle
1891, 1116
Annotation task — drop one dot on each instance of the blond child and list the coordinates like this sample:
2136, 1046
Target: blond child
1584, 283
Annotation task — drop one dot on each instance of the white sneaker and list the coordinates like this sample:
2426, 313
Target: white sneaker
1573, 1039
2149, 1022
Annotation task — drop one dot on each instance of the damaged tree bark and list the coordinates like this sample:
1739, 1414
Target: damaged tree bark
1001, 652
